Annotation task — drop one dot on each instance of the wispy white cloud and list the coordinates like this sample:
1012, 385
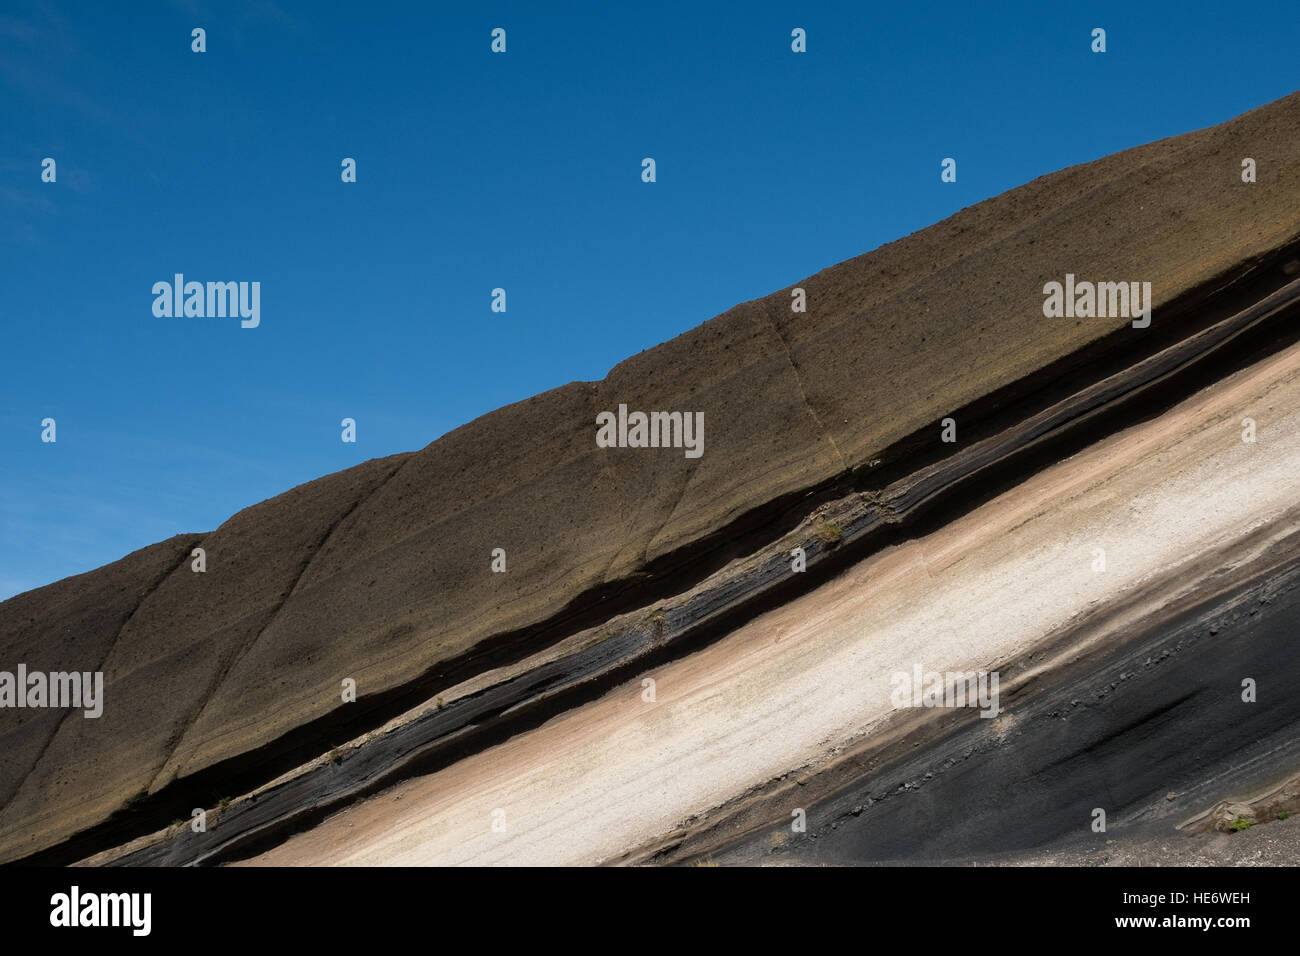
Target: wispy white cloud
15, 198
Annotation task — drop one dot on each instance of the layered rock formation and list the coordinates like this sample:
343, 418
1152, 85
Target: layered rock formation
822, 432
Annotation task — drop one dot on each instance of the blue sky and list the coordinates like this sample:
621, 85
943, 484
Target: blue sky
477, 171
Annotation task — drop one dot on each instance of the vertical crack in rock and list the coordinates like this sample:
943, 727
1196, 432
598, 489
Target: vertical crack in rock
187, 548
677, 500
803, 393
219, 678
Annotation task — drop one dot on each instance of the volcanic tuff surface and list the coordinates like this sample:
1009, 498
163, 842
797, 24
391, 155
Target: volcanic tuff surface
217, 683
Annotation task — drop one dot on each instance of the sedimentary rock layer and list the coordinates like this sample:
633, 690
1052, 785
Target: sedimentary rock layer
219, 682
1119, 685
494, 706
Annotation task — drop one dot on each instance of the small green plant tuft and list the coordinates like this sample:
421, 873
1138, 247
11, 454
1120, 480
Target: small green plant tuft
1239, 824
1283, 814
653, 621
828, 530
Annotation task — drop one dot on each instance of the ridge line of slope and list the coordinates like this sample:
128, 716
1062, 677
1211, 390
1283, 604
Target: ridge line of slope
838, 347
1060, 378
